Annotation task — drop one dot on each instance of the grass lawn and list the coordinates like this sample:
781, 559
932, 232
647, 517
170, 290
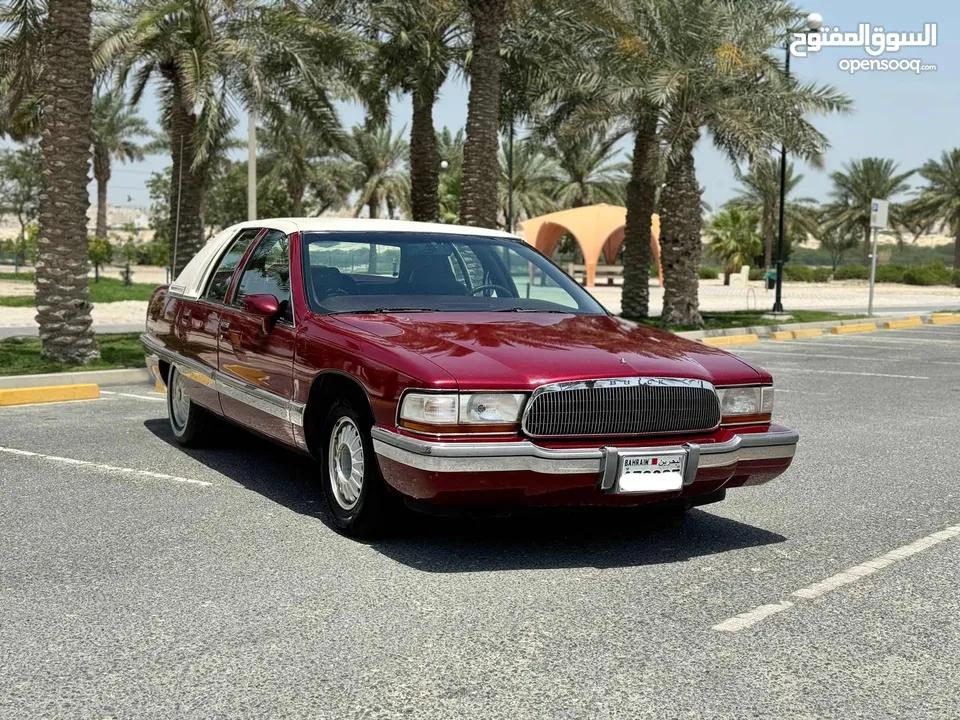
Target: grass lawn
23, 276
21, 356
106, 291
751, 318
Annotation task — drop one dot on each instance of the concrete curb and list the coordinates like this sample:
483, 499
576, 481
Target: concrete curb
49, 394
764, 331
130, 376
858, 328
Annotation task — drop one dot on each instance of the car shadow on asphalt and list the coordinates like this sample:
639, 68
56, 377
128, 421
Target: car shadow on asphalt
483, 541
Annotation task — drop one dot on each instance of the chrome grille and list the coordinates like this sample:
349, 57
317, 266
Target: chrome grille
622, 406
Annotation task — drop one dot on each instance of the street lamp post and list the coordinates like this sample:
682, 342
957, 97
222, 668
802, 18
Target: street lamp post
814, 21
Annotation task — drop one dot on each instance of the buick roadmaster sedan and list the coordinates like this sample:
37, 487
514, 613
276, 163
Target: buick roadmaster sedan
442, 365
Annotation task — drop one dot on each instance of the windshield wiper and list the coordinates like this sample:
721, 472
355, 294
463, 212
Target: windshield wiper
535, 310
386, 309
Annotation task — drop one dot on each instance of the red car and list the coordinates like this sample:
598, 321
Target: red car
450, 365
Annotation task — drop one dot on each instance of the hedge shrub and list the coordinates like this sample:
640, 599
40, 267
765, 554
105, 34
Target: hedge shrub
956, 278
756, 273
852, 272
934, 273
798, 273
709, 273
890, 273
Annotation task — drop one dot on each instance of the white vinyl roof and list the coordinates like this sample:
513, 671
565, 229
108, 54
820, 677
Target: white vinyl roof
192, 278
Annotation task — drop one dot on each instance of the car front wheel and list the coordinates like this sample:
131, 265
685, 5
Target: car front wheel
354, 489
186, 419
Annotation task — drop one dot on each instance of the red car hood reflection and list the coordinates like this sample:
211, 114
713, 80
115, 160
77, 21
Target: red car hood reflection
521, 351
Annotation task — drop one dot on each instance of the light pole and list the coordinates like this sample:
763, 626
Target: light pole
814, 21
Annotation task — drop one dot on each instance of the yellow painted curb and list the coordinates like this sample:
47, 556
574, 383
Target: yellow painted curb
54, 393
807, 333
914, 321
781, 335
847, 329
944, 318
724, 340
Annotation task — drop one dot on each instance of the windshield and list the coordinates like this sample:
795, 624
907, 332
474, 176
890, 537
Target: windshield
382, 272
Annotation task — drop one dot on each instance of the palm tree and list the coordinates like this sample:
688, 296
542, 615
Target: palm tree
481, 172
301, 161
590, 171
760, 193
535, 180
856, 186
114, 125
940, 200
21, 65
450, 151
733, 239
63, 296
718, 74
211, 54
376, 158
420, 42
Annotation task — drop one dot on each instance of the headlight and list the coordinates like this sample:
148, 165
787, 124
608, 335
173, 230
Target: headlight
446, 412
746, 404
496, 408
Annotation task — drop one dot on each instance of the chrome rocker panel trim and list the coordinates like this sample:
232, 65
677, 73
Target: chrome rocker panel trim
231, 387
523, 455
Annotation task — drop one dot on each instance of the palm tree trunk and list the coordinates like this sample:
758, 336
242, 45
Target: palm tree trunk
481, 164
956, 251
374, 205
188, 186
641, 190
296, 189
866, 243
768, 236
424, 159
63, 296
101, 171
680, 244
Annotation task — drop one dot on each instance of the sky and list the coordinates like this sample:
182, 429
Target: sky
901, 115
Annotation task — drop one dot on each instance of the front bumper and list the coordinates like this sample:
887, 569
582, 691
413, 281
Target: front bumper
424, 468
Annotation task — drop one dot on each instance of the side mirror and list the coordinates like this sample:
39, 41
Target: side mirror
266, 306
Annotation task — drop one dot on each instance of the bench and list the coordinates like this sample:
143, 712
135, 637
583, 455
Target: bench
610, 272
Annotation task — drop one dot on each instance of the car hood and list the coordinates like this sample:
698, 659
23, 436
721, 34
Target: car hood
486, 351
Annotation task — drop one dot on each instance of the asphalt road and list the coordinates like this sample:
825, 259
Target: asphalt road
213, 588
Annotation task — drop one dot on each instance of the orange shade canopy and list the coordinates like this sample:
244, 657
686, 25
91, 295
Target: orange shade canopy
596, 228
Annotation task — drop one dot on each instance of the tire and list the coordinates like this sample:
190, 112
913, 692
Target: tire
187, 420
347, 460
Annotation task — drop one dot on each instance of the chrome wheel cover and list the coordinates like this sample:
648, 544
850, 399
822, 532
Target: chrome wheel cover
179, 401
345, 462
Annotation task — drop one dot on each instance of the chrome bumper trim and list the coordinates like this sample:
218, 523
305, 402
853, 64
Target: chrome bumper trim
231, 387
523, 455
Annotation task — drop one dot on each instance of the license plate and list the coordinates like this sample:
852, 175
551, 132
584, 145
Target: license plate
651, 472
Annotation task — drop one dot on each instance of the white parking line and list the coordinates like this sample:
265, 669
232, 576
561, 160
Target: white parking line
813, 355
792, 369
103, 467
848, 576
133, 395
